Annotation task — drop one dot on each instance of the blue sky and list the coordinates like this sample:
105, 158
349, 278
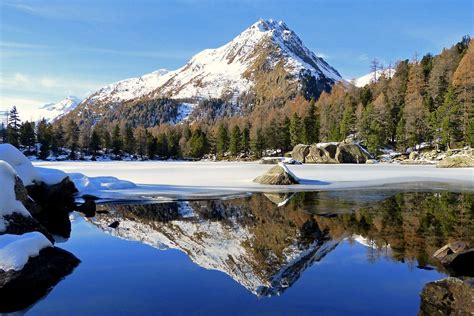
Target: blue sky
51, 49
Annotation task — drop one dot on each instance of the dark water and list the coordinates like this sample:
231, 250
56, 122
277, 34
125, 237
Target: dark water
336, 253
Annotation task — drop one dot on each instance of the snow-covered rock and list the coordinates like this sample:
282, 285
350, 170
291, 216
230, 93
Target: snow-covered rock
8, 202
90, 185
23, 167
15, 250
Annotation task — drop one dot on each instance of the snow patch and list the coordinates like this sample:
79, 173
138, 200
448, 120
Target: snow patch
15, 250
23, 166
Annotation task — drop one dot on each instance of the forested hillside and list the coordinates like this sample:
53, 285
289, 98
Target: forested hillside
427, 100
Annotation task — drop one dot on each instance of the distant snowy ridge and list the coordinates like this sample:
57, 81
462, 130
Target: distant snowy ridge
370, 77
52, 111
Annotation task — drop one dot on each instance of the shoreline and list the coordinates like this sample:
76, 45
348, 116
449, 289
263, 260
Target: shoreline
185, 180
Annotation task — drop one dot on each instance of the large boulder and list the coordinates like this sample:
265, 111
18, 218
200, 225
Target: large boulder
351, 153
277, 175
317, 154
457, 161
20, 289
450, 296
300, 152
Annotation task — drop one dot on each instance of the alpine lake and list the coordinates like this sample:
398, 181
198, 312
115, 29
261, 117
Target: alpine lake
342, 252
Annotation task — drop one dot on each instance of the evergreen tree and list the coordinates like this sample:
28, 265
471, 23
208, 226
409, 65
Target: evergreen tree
95, 143
285, 135
3, 133
222, 141
197, 144
401, 136
152, 146
13, 129
27, 135
107, 140
129, 140
72, 138
116, 141
310, 128
44, 134
172, 139
347, 122
258, 143
162, 145
450, 114
296, 130
235, 140
245, 141
375, 138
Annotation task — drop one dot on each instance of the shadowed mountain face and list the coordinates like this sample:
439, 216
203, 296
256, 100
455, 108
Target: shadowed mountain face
265, 242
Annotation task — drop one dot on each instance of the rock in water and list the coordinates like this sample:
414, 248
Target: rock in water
351, 153
300, 152
20, 289
450, 296
457, 161
457, 258
277, 175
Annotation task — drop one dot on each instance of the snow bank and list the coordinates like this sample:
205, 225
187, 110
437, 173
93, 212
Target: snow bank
8, 201
91, 185
15, 250
50, 176
24, 168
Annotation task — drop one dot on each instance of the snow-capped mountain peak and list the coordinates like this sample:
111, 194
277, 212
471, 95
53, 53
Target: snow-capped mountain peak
52, 111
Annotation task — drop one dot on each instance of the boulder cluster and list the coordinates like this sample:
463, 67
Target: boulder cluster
330, 153
31, 215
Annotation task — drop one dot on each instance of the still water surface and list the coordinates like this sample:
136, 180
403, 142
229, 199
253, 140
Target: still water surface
334, 253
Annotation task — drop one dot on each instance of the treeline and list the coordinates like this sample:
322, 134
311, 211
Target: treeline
429, 100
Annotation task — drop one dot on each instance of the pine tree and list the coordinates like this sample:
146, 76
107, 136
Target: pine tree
107, 140
347, 122
152, 146
95, 143
235, 140
197, 144
245, 141
72, 138
296, 130
172, 139
285, 135
162, 145
44, 134
222, 140
129, 140
310, 128
450, 114
27, 135
258, 143
116, 141
401, 136
13, 129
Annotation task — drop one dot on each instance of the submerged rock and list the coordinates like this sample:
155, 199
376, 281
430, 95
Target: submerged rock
457, 161
450, 296
277, 175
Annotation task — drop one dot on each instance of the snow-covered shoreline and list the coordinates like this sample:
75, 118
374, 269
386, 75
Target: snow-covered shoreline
201, 179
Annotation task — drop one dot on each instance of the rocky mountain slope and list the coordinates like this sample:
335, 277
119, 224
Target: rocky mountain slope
267, 60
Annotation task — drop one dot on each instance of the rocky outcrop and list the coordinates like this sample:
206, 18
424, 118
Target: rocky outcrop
330, 153
450, 296
457, 161
20, 289
277, 175
300, 152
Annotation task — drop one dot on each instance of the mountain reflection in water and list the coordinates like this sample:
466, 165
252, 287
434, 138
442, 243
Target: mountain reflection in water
265, 241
